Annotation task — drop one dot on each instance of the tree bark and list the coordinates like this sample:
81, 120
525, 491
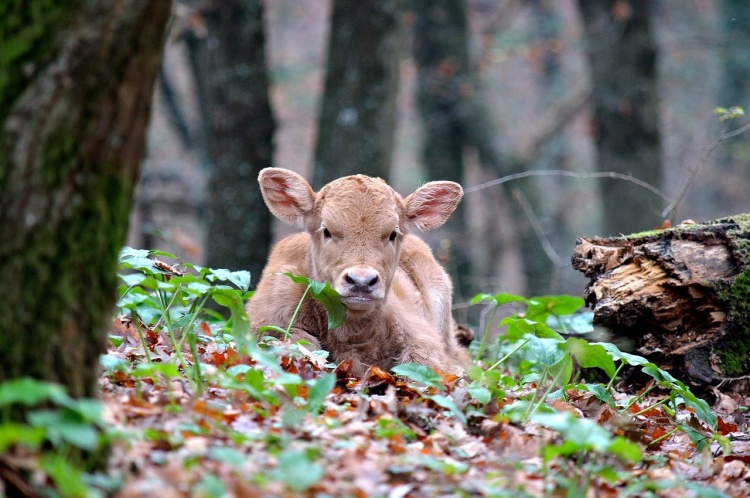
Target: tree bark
622, 57
358, 112
75, 97
730, 160
681, 294
455, 119
239, 125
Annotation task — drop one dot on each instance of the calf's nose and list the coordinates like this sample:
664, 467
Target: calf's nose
361, 280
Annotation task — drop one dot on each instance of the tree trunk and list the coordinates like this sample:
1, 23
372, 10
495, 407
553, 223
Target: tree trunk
622, 56
455, 118
358, 113
75, 97
731, 158
682, 294
231, 66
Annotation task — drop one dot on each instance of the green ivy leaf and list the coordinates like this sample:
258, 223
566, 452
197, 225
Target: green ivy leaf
60, 427
498, 299
625, 450
586, 435
210, 486
327, 295
297, 471
29, 392
67, 478
448, 403
420, 373
630, 359
702, 410
518, 327
232, 299
590, 355
12, 434
239, 278
479, 393
319, 389
547, 351
544, 306
601, 393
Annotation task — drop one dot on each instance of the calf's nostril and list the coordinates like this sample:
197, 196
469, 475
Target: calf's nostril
361, 281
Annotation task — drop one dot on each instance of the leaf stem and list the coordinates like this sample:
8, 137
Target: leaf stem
612, 380
664, 436
639, 397
504, 358
294, 316
658, 403
486, 332
137, 320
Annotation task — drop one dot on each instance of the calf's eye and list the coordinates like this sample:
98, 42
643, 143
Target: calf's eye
326, 233
393, 236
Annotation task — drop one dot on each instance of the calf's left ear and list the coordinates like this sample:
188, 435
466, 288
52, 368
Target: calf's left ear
287, 195
432, 204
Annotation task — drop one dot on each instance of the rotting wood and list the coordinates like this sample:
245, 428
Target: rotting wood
682, 295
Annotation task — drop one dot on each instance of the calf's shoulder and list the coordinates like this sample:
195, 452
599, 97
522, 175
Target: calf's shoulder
277, 296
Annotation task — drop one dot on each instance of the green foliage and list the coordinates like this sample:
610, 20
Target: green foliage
582, 434
523, 373
733, 112
537, 353
420, 373
58, 430
174, 297
324, 293
297, 470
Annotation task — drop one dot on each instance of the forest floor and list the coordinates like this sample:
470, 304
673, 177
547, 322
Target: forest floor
191, 407
283, 422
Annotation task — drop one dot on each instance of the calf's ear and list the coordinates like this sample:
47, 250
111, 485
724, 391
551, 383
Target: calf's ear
287, 195
432, 204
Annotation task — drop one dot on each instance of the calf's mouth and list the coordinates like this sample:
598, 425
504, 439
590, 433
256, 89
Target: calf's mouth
360, 287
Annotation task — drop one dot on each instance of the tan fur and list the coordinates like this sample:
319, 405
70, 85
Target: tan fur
398, 296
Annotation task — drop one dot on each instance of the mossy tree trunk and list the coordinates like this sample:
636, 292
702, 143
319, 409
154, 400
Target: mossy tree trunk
76, 80
231, 72
358, 112
682, 295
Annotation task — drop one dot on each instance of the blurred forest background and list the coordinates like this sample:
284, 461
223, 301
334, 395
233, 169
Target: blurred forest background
470, 91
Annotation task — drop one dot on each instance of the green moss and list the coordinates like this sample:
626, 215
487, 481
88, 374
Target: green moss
28, 41
73, 264
734, 349
60, 156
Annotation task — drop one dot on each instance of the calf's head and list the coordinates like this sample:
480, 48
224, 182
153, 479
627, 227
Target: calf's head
357, 224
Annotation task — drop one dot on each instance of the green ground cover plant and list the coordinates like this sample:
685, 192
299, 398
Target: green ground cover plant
192, 404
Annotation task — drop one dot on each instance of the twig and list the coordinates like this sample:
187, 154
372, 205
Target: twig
572, 174
672, 206
537, 227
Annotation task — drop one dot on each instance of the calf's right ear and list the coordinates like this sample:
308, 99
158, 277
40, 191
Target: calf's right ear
287, 195
432, 204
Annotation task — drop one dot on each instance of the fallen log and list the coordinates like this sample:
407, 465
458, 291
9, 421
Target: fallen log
682, 295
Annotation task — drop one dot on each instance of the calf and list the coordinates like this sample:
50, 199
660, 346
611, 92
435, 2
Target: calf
357, 239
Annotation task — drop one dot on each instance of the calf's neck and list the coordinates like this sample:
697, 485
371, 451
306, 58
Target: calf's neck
357, 238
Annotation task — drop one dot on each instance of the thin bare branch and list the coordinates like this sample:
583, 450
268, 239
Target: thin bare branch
672, 206
537, 227
572, 174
